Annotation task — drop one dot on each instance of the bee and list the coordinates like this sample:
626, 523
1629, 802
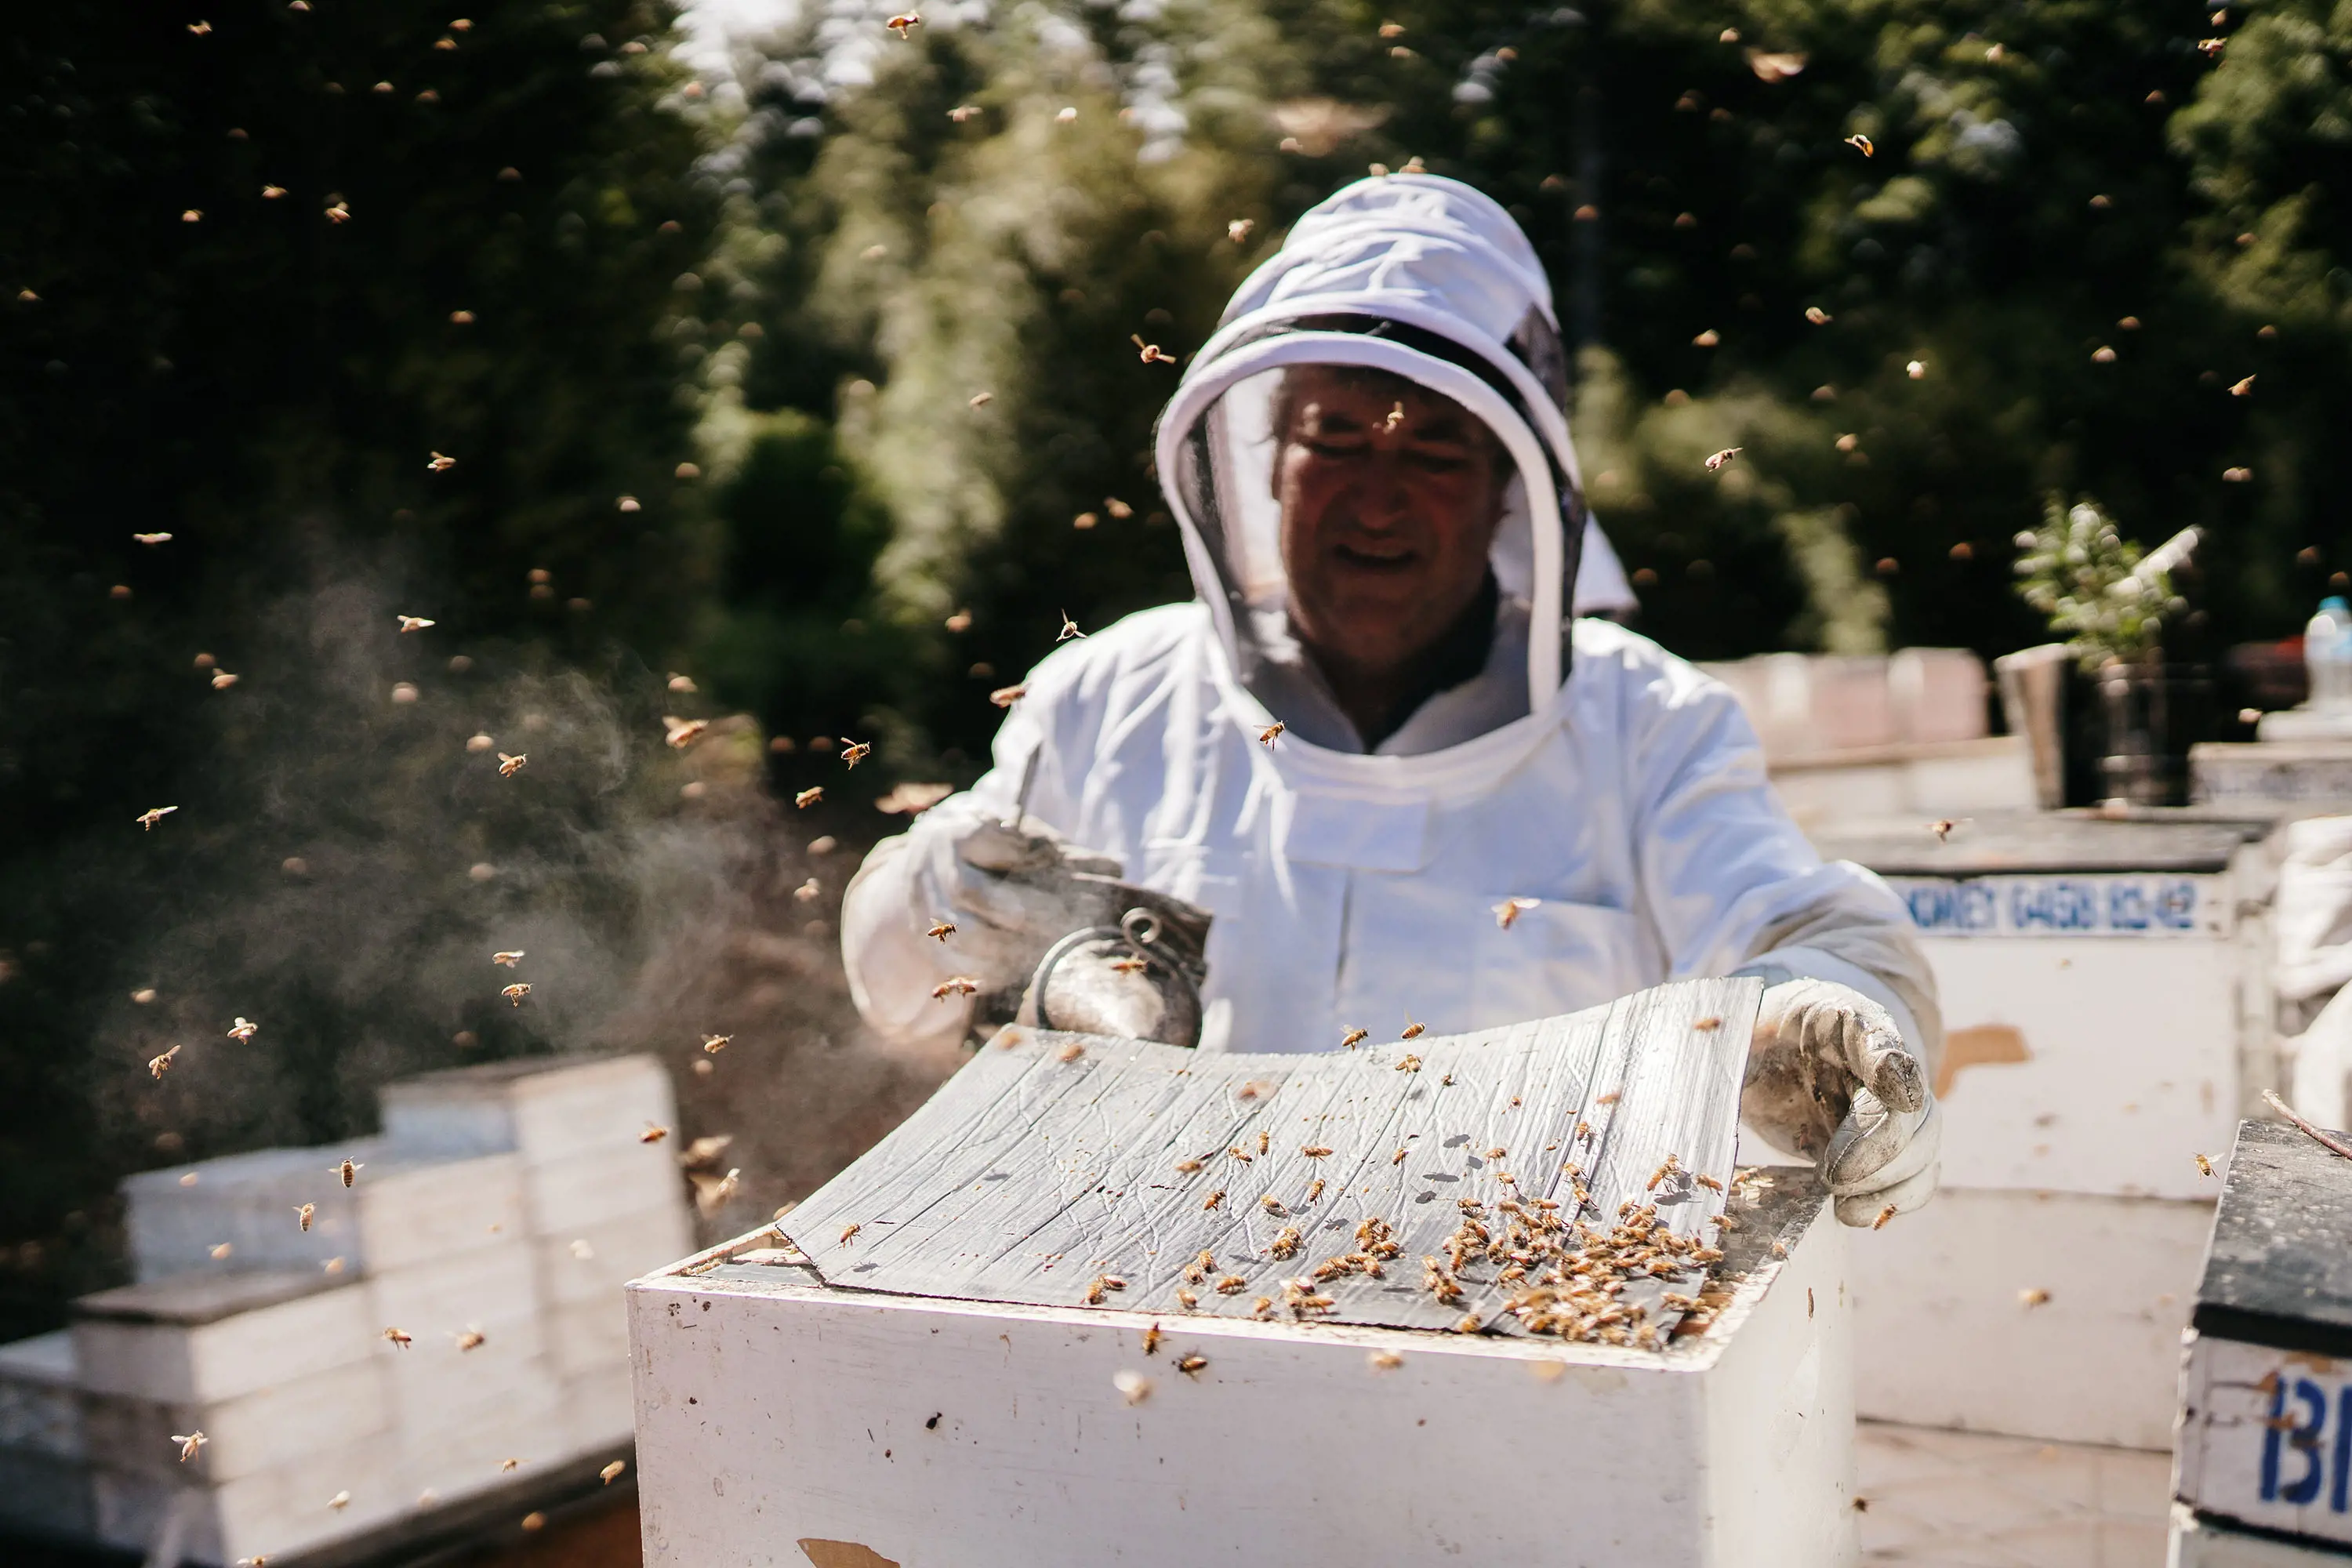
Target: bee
340, 1501
1117, 507
1094, 1296
511, 765
1397, 1158
148, 820
2203, 1164
1271, 733
332, 1266
1262, 1307
1315, 1189
1409, 1064
190, 1444
1709, 1183
158, 1066
517, 992
507, 960
1151, 353
244, 1030
1883, 1215
1353, 1038
1231, 1284
680, 733
1383, 1360
1151, 1340
340, 213
2211, 48
848, 1231
901, 24
1188, 1166
1916, 370
1188, 1300
1006, 696
223, 1250
1070, 1052
400, 1337
1412, 1031
2032, 1296
1239, 230
963, 111
943, 930
1285, 1242
304, 1214
954, 985
1861, 144
166, 539
413, 623
1720, 458
1272, 1205
1609, 1099
1130, 965
808, 891
201, 29
506, 1465
809, 796
1262, 1141
714, 1044
1238, 1152
1942, 827
654, 1133
1212, 1200
981, 399
470, 1339
2237, 389
1069, 630
1190, 1365
441, 464
1507, 913
348, 1169
1315, 1151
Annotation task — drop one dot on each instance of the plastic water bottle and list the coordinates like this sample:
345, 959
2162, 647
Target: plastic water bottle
2327, 656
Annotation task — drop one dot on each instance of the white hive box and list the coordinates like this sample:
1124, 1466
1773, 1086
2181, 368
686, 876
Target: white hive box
2104, 991
781, 1422
45, 1486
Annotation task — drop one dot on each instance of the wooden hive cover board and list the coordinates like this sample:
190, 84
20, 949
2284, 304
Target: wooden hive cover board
2279, 1270
1051, 1161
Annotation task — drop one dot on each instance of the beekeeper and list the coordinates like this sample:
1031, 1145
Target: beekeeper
1383, 512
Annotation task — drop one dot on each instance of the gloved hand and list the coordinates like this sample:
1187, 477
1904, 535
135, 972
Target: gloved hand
1829, 1078
1011, 894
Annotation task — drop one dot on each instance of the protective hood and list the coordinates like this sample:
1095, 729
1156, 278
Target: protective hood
1423, 278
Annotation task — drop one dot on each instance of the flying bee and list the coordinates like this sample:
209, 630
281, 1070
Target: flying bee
1384, 1361
1663, 1172
2237, 389
190, 1444
244, 1030
304, 1214
471, 1338
1212, 1200
1709, 1183
400, 1337
2203, 1164
680, 733
1818, 316
1190, 1365
340, 213
517, 992
1151, 1340
511, 765
158, 1066
340, 1501
2032, 1297
943, 930
714, 1044
349, 1170
506, 1465
1239, 230
613, 1473
980, 399
1271, 733
1942, 827
1353, 1038
223, 1250
441, 464
901, 24
1070, 1052
1006, 696
954, 985
148, 820
507, 960
1150, 353
1409, 1064
166, 539
809, 796
1720, 458
1507, 913
857, 752
1883, 1215
1129, 965
1392, 418
848, 1231
654, 1133
1861, 144
2211, 48
1117, 507
963, 111
413, 623
1412, 1031
1069, 630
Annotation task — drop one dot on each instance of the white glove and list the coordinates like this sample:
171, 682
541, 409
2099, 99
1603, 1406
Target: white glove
1010, 895
1829, 1078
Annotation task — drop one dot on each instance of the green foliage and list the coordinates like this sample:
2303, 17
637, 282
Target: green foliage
2094, 585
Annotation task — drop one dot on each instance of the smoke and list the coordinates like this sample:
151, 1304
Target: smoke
356, 854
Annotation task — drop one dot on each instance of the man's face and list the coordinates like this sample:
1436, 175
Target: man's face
1390, 496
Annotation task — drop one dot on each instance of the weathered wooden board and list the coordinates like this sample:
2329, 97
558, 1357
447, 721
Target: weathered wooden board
2279, 1271
1051, 1161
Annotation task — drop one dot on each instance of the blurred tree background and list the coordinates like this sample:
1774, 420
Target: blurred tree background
806, 379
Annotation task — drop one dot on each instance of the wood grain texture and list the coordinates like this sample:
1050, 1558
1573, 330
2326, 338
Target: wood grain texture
2279, 1271
1051, 1162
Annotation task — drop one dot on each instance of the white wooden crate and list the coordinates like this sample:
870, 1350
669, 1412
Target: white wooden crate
1952, 1337
544, 1107
2266, 1437
211, 1337
281, 1424
776, 1415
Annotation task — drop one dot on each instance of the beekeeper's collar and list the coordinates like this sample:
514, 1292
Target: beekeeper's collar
1423, 278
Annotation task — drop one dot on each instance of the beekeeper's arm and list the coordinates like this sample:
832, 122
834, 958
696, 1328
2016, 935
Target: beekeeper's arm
1845, 1047
965, 864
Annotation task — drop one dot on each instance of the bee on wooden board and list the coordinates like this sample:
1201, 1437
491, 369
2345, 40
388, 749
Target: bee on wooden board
849, 1231
1315, 1189
1070, 1052
1212, 1200
1186, 1300
1191, 1363
1239, 1154
1188, 1166
1409, 1063
1264, 1140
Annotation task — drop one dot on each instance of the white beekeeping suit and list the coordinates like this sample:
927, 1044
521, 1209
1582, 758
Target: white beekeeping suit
1575, 764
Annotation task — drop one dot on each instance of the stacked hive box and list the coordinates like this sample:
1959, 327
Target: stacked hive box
44, 1468
492, 1225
